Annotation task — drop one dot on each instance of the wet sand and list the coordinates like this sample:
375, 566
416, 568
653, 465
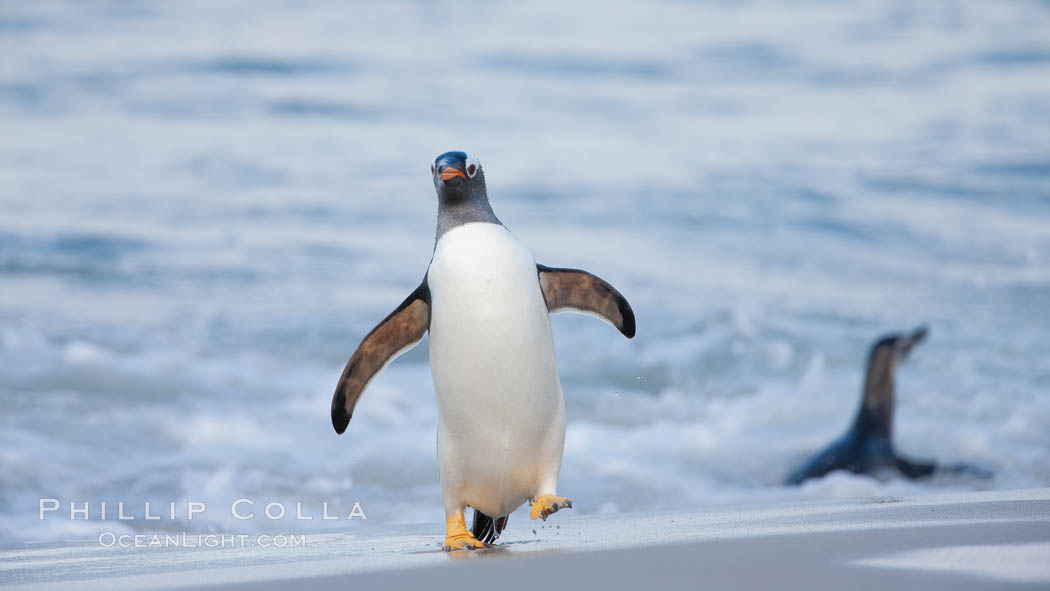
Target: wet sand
997, 539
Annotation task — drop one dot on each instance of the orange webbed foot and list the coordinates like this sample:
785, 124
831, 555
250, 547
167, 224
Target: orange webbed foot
542, 507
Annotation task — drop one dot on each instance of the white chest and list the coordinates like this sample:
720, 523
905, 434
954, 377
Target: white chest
490, 333
481, 271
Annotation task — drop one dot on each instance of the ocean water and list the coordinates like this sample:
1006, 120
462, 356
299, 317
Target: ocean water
203, 208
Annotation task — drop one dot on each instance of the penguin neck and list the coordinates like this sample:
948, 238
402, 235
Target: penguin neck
875, 416
474, 208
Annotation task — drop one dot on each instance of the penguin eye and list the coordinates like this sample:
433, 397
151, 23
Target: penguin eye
472, 165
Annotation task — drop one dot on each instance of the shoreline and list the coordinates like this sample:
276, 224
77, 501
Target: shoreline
968, 540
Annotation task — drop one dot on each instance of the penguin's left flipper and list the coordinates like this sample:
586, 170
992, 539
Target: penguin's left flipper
397, 333
572, 289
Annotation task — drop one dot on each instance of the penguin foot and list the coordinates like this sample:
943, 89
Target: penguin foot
458, 538
547, 504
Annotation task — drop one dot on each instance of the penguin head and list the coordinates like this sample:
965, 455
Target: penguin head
898, 346
886, 353
890, 350
457, 177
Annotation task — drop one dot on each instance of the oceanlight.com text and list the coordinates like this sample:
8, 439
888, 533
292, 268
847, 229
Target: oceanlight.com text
187, 540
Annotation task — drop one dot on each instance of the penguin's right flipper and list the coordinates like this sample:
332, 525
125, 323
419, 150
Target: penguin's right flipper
915, 469
572, 289
397, 333
964, 470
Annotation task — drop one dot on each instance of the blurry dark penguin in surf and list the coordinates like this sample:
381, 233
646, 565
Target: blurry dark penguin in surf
867, 448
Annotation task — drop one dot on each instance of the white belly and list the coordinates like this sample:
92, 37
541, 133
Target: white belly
501, 410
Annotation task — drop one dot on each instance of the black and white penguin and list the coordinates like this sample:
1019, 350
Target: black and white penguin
867, 447
486, 302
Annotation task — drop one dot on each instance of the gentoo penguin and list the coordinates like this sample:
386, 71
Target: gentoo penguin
501, 412
868, 446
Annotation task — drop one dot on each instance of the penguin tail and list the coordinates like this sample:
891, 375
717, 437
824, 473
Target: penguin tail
486, 529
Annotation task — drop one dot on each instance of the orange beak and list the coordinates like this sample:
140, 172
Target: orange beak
450, 172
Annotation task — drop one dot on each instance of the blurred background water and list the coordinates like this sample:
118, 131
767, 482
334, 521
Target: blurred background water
204, 207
